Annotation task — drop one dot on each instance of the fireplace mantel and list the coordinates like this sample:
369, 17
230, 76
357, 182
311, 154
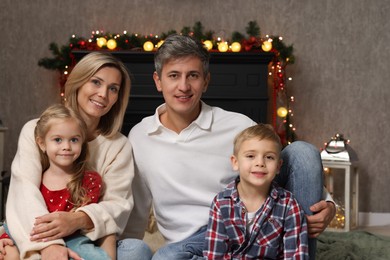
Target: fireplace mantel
238, 83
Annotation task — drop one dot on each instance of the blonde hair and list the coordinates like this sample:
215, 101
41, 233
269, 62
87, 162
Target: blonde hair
110, 123
80, 165
259, 131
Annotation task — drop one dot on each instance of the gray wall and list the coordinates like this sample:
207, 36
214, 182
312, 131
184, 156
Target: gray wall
340, 78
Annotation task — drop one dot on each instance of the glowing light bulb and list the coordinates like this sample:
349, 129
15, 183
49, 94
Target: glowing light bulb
160, 43
148, 46
208, 44
101, 42
282, 112
266, 46
236, 47
223, 47
111, 44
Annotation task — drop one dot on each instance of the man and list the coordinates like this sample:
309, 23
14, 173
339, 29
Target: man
182, 156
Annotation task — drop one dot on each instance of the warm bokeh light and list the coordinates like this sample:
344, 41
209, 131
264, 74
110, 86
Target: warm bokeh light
266, 46
236, 47
148, 46
208, 44
160, 43
111, 44
223, 47
101, 42
282, 112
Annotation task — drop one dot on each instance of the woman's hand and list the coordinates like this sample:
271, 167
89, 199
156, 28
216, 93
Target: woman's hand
324, 212
58, 252
56, 225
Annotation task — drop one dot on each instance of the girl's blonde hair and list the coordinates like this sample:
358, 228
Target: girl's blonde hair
80, 165
260, 132
110, 123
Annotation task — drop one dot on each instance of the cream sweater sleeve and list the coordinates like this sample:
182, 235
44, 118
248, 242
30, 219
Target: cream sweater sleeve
113, 160
25, 201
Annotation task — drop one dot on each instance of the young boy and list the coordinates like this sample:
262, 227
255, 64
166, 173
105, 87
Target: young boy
254, 218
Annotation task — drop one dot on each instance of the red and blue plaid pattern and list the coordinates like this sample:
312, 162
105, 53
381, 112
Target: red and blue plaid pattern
279, 232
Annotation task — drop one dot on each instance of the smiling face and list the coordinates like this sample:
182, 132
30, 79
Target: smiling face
182, 84
257, 162
62, 143
96, 97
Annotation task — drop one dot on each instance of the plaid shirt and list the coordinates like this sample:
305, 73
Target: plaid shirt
279, 232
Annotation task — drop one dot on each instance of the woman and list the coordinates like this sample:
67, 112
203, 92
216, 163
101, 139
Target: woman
98, 87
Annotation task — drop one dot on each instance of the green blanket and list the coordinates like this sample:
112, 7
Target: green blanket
352, 245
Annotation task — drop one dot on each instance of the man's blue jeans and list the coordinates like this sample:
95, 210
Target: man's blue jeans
131, 248
189, 248
301, 173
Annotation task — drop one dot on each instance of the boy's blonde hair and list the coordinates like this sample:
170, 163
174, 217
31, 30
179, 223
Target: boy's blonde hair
259, 131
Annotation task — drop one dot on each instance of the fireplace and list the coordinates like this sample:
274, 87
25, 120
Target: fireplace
238, 83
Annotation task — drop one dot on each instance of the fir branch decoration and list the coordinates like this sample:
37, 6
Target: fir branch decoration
285, 52
62, 56
253, 29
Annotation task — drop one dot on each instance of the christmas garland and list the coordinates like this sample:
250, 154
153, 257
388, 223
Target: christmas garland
63, 58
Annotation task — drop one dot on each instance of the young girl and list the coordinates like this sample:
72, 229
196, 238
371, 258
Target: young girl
67, 181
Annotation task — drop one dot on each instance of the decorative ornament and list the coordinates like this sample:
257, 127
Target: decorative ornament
250, 43
223, 47
282, 112
266, 46
160, 43
208, 44
236, 47
111, 44
101, 42
148, 46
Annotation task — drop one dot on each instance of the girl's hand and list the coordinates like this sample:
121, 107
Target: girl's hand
3, 243
58, 252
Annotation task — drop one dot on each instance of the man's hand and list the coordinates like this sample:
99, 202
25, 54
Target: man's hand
323, 213
55, 225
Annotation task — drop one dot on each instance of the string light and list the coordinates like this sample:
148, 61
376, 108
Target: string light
223, 46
